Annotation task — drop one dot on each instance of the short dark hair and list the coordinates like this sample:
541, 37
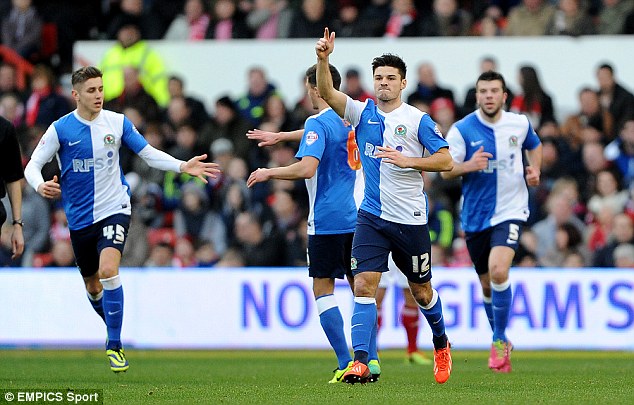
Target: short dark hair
81, 75
391, 60
311, 76
606, 66
490, 76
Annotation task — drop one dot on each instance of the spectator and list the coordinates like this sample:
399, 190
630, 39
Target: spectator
137, 248
206, 255
275, 117
614, 97
270, 19
12, 109
404, 20
36, 213
427, 88
608, 193
624, 256
251, 105
560, 211
185, 147
374, 17
233, 257
622, 232
570, 18
347, 23
195, 221
9, 82
628, 28
530, 18
161, 255
59, 227
134, 95
191, 25
163, 13
534, 102
227, 22
591, 114
147, 174
353, 87
134, 12
227, 123
613, 15
443, 113
131, 50
594, 161
621, 152
22, 29
447, 20
45, 104
257, 247
568, 240
62, 254
176, 88
309, 21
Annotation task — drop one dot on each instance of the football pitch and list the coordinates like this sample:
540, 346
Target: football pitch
300, 377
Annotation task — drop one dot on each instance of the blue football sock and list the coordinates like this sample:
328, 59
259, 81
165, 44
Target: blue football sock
501, 297
363, 321
113, 310
488, 308
332, 324
373, 354
435, 319
97, 303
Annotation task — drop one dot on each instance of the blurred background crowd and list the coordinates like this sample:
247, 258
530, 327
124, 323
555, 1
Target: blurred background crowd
582, 214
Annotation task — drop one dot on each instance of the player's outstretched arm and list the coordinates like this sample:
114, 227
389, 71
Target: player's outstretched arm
304, 169
268, 138
203, 170
335, 99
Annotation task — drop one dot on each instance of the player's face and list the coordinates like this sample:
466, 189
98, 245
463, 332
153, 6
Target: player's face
388, 83
490, 97
89, 95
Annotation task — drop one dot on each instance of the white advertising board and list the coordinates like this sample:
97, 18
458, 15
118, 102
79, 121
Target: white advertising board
274, 308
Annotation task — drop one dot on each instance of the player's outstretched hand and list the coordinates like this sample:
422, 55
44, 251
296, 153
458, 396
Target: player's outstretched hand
50, 189
391, 155
326, 45
479, 160
258, 176
196, 167
266, 138
532, 176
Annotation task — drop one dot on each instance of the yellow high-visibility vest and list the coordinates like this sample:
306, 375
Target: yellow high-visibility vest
152, 73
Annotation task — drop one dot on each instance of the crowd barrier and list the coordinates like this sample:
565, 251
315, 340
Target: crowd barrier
273, 308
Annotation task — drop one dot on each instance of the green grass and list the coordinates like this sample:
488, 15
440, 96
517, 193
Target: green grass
300, 377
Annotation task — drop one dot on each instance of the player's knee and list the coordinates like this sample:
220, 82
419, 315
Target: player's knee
423, 294
108, 271
498, 273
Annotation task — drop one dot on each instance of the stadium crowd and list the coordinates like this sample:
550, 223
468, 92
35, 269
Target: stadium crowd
582, 214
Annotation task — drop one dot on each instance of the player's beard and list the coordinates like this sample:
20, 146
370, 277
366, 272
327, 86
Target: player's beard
492, 114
